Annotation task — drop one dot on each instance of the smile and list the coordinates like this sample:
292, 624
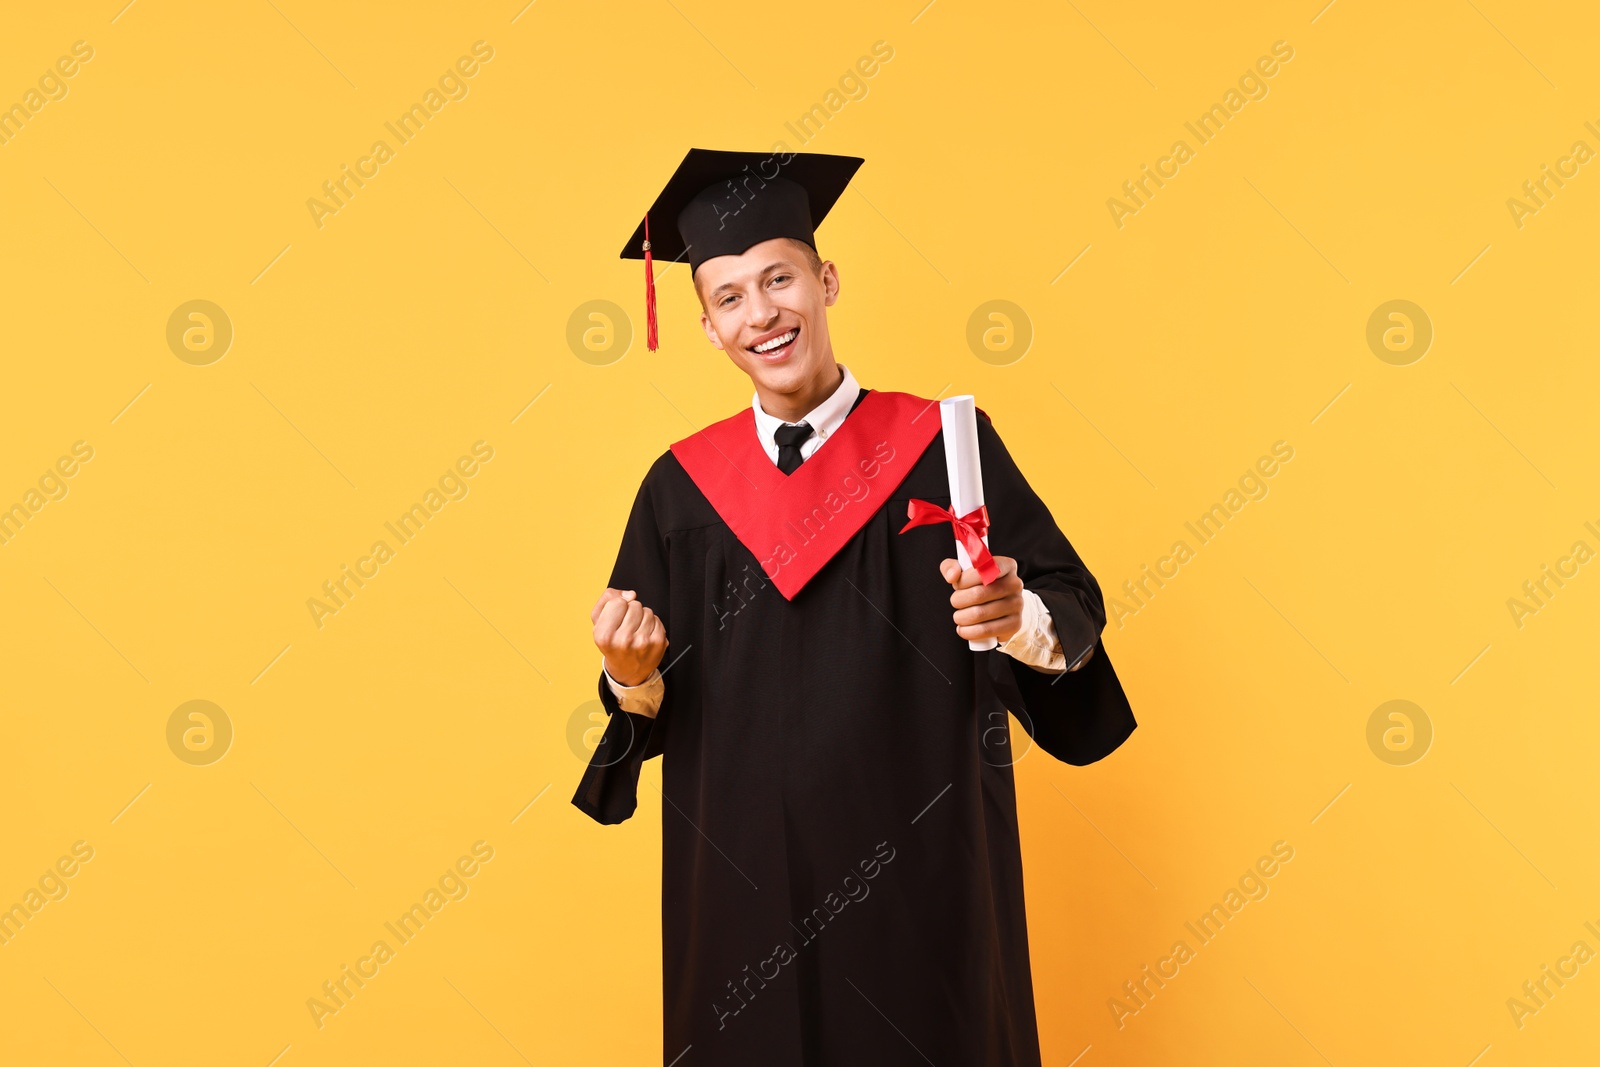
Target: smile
777, 345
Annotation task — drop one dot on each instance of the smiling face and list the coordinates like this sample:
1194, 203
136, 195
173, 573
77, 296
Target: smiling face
767, 309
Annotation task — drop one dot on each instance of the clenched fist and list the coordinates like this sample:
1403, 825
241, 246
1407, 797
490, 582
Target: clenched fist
630, 636
993, 610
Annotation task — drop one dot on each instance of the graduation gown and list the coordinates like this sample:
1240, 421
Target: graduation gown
841, 870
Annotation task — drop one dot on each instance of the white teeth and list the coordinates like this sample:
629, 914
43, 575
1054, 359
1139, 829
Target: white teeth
776, 342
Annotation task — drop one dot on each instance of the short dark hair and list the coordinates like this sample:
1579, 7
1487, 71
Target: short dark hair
811, 256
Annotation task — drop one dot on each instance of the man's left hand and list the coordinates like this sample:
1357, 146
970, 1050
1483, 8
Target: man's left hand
993, 610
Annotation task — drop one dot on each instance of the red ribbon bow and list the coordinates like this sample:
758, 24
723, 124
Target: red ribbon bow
969, 529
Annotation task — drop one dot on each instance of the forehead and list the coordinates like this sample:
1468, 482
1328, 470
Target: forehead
749, 264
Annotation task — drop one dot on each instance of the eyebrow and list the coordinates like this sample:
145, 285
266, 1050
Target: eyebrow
768, 269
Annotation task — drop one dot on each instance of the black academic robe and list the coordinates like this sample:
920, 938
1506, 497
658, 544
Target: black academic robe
841, 869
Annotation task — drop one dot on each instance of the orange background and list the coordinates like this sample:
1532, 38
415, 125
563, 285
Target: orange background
1137, 374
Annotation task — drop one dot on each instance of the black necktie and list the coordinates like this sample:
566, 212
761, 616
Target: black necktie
789, 439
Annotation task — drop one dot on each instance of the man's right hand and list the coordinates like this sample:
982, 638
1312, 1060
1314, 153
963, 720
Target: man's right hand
630, 636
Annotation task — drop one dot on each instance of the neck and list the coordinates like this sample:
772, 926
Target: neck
792, 407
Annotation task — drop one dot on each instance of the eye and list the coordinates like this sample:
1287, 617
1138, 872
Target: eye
725, 301
780, 278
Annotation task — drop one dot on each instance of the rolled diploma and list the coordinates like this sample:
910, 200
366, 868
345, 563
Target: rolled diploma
960, 418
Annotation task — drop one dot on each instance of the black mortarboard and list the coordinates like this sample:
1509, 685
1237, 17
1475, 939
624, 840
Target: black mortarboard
721, 203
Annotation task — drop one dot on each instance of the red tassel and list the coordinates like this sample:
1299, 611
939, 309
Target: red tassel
649, 291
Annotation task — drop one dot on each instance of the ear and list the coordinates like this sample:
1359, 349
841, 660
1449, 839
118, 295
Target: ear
711, 334
830, 283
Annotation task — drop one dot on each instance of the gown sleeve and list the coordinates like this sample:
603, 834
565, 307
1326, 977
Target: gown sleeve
608, 791
1080, 716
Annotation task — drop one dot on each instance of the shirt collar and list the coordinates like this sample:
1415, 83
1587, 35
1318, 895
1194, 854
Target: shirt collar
825, 418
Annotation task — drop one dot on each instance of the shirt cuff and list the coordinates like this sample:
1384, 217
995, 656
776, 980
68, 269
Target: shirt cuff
641, 699
1035, 642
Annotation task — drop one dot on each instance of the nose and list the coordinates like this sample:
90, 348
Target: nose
761, 310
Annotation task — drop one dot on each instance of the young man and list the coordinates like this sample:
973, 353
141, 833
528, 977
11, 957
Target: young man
841, 872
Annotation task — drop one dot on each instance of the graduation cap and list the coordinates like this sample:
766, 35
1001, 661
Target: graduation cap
722, 203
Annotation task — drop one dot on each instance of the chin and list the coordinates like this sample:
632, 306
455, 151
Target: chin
787, 377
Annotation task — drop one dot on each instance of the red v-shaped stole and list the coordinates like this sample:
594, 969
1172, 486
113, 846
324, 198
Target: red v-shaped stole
794, 524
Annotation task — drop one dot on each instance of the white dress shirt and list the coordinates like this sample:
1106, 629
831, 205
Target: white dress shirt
1035, 643
825, 418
